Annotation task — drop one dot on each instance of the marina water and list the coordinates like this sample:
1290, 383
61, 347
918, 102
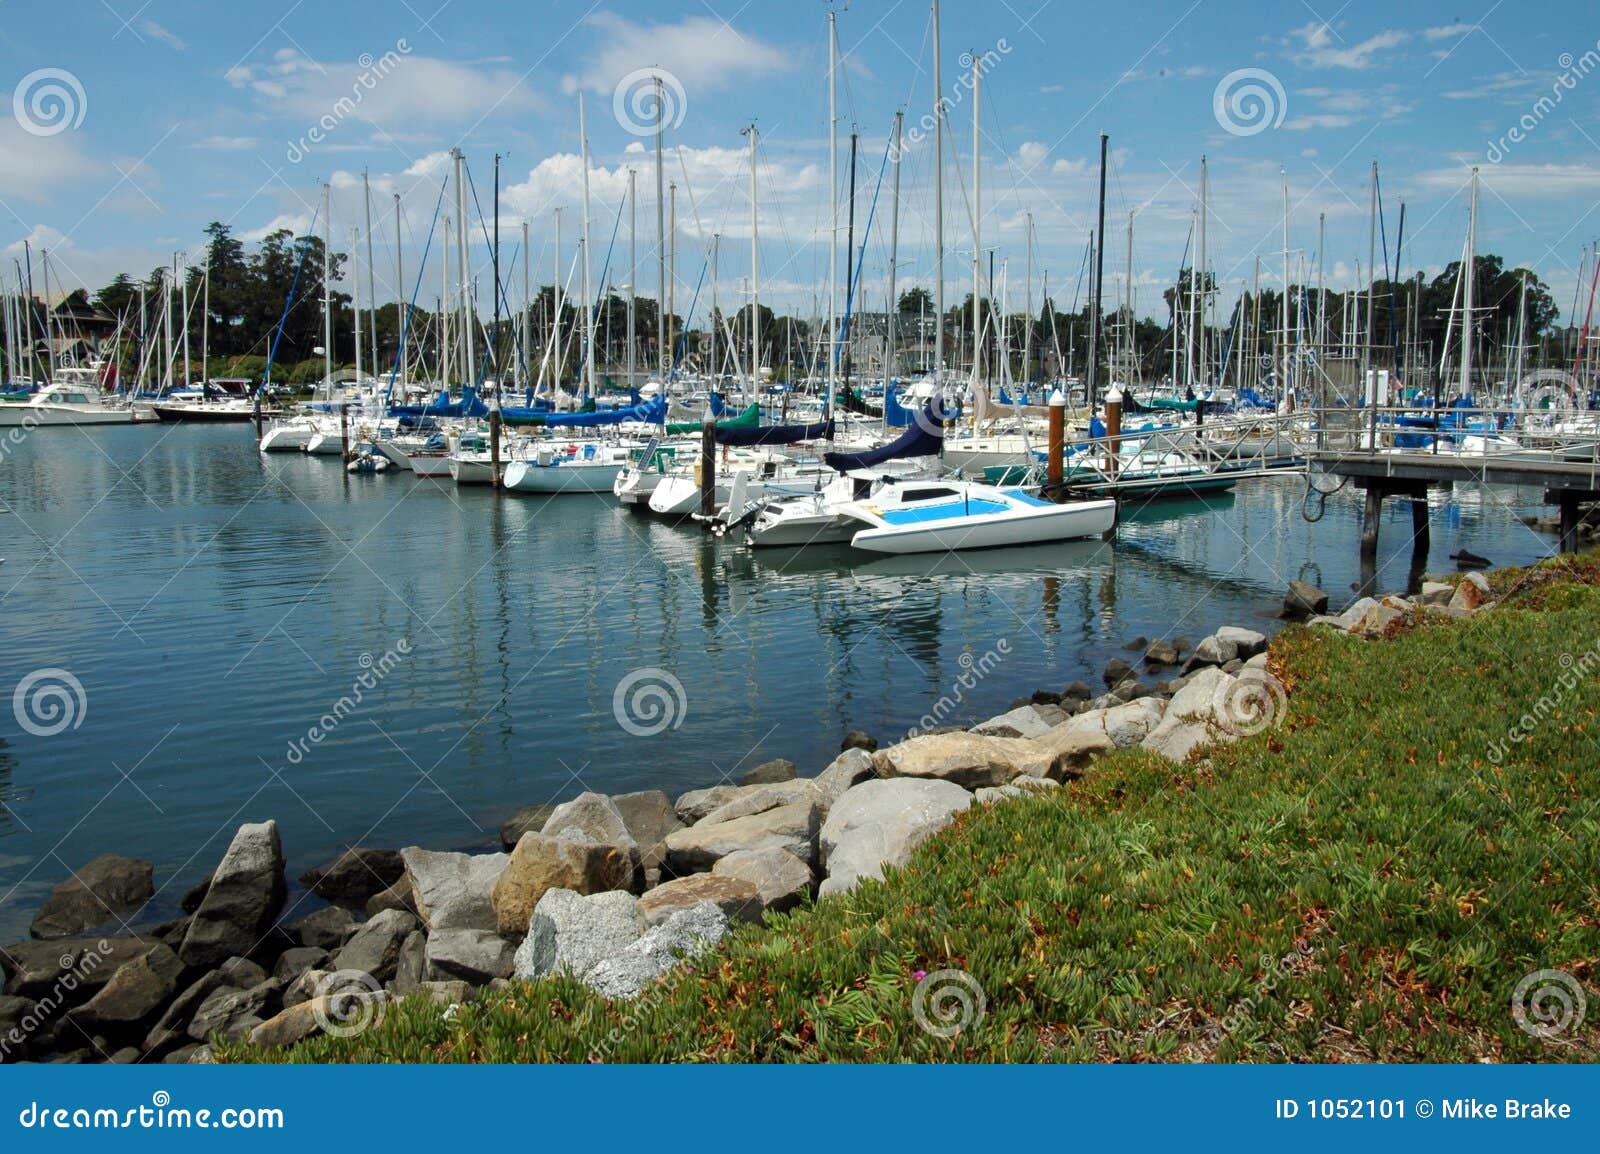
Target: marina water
391, 661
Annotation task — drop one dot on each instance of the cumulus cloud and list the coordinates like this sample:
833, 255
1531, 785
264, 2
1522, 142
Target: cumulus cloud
704, 53
1321, 47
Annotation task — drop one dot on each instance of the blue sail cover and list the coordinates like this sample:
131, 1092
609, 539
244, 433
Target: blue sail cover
924, 438
470, 405
650, 413
776, 434
896, 415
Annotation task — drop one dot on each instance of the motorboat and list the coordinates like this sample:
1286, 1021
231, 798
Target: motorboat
65, 402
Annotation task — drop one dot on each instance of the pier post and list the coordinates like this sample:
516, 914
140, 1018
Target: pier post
344, 429
708, 468
255, 412
1419, 523
1054, 463
1568, 500
1371, 516
1113, 430
494, 447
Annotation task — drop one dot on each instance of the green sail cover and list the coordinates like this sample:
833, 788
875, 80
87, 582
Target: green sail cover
749, 419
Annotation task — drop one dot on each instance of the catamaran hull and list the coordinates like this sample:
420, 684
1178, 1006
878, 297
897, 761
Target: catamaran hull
39, 416
531, 477
795, 532
471, 472
323, 444
429, 464
1032, 526
286, 439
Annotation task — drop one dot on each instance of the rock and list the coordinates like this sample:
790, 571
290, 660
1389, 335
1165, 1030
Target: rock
66, 971
1437, 592
134, 995
400, 896
1471, 594
1375, 622
1213, 650
879, 823
1195, 716
453, 891
760, 798
241, 973
450, 991
293, 963
411, 967
474, 956
649, 818
1468, 560
789, 827
244, 897
375, 948
1136, 643
127, 1056
233, 1013
1077, 691
856, 739
1123, 726
1161, 653
106, 888
1045, 697
326, 929
572, 933
1021, 787
542, 862
1175, 741
528, 819
771, 772
967, 760
1355, 612
685, 935
172, 1027
1246, 642
595, 817
851, 767
1232, 666
355, 876
1117, 671
695, 804
310, 985
294, 1024
782, 880
739, 900
1023, 722
172, 933
194, 895
1304, 600
17, 1022
1075, 748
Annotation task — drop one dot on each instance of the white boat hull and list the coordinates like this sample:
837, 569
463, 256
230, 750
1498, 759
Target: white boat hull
471, 472
1031, 526
39, 416
325, 444
532, 477
286, 439
429, 464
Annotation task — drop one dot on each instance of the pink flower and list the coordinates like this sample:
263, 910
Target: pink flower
920, 974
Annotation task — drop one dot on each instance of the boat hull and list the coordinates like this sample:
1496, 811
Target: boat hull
200, 415
49, 416
286, 439
531, 477
1031, 526
429, 464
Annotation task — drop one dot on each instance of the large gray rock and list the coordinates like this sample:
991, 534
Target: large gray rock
375, 948
760, 798
292, 963
789, 827
528, 819
475, 956
572, 933
1304, 600
1123, 726
294, 1024
542, 862
879, 823
244, 898
782, 880
355, 875
739, 900
771, 772
695, 804
966, 759
172, 1027
1246, 642
68, 971
1472, 593
1024, 721
106, 888
851, 767
234, 1013
1195, 716
412, 967
595, 817
685, 935
649, 817
133, 997
1077, 747
326, 929
1436, 593
453, 891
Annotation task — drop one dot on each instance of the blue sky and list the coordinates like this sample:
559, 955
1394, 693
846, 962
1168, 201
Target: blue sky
178, 112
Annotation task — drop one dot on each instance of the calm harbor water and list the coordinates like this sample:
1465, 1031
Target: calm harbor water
216, 607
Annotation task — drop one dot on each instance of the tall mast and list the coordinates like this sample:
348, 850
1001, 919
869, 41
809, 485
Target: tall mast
403, 305
560, 307
372, 274
716, 305
524, 321
661, 240
464, 270
327, 284
1027, 333
833, 208
672, 273
588, 291
1204, 287
977, 222
1468, 271
755, 274
894, 256
355, 296
1133, 352
205, 318
633, 272
1372, 282
183, 281
1322, 285
1099, 281
447, 358
1283, 334
938, 203
494, 330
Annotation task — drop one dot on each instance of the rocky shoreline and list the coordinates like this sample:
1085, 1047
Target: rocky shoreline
616, 891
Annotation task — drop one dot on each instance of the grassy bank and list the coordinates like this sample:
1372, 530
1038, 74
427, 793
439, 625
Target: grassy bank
1364, 882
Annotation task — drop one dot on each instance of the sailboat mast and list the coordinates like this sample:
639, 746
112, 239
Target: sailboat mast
556, 325
327, 284
633, 273
1099, 281
205, 319
938, 202
1372, 284
894, 256
1468, 271
977, 224
403, 304
755, 274
464, 271
355, 298
833, 210
372, 274
588, 293
1027, 332
1283, 330
1205, 284
525, 314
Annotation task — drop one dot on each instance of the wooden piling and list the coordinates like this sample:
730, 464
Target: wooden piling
1113, 430
1419, 523
708, 468
344, 429
1371, 517
494, 449
1055, 462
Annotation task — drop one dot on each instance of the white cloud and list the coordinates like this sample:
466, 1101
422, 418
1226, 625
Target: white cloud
1321, 47
704, 53
1448, 31
35, 166
157, 32
226, 143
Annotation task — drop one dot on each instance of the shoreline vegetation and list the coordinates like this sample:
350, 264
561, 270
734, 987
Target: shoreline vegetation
1373, 839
